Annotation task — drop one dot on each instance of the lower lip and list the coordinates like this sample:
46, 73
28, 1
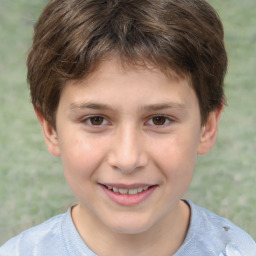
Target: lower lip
128, 200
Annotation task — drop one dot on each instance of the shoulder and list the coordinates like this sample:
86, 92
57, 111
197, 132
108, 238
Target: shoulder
217, 235
42, 238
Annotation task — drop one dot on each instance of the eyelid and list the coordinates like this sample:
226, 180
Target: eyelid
86, 119
168, 118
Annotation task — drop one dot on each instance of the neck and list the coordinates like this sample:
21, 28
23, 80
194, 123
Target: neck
164, 238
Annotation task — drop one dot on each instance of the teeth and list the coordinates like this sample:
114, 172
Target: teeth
122, 191
115, 189
125, 191
133, 191
140, 190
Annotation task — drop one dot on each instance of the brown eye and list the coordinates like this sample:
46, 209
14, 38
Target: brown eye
159, 120
96, 120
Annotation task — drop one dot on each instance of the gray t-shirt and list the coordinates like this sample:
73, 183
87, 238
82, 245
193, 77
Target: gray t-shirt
208, 235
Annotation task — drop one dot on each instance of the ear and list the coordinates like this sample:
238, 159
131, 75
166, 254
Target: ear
209, 132
50, 135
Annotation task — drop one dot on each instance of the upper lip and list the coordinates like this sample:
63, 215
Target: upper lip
127, 186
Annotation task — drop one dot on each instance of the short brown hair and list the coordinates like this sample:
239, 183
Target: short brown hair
73, 36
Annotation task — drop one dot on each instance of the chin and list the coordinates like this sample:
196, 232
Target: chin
130, 226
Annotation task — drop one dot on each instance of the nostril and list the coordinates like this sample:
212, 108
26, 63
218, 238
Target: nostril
127, 154
125, 163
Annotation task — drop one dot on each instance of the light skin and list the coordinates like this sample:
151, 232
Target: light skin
130, 128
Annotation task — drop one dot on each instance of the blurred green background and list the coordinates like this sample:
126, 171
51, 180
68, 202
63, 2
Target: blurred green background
32, 186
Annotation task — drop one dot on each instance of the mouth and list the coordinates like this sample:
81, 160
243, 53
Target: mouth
127, 191
128, 195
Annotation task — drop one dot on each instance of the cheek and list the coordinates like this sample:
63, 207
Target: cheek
176, 157
81, 158
82, 155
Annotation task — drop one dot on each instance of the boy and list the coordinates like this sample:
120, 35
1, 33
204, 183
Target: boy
128, 93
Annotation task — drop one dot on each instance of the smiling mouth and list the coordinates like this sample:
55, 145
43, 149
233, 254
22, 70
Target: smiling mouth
125, 191
128, 195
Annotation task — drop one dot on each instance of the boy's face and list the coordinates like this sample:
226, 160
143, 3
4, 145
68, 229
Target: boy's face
133, 131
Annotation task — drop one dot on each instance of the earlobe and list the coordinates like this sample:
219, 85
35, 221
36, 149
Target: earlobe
209, 132
50, 135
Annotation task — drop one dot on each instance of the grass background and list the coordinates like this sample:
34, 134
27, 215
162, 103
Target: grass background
32, 187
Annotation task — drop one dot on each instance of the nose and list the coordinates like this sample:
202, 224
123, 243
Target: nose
127, 152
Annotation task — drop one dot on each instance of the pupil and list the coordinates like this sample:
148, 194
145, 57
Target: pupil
159, 120
96, 120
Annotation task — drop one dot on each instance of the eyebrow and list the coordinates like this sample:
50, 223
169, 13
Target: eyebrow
90, 105
172, 105
151, 107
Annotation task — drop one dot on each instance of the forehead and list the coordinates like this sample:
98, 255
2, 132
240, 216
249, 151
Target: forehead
114, 85
116, 68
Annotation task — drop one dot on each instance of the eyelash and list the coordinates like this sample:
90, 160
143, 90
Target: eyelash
167, 120
88, 121
103, 121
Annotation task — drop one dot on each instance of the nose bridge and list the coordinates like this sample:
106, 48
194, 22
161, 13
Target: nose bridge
127, 153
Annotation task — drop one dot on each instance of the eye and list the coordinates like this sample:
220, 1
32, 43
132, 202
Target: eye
95, 121
159, 121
